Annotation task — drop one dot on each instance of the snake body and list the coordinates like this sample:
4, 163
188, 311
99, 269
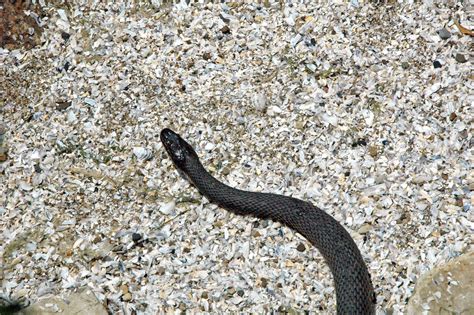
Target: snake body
354, 290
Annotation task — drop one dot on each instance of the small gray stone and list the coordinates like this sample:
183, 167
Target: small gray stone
460, 58
444, 33
136, 237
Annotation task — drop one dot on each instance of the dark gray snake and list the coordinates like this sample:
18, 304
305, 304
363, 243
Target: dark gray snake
354, 291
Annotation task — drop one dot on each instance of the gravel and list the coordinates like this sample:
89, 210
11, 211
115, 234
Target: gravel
364, 110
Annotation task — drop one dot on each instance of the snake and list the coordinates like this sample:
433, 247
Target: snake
354, 290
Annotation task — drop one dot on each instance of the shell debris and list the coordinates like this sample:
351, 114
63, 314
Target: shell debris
363, 112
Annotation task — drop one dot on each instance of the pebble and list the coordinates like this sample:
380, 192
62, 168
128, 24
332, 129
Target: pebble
436, 64
160, 270
225, 30
444, 33
209, 146
71, 117
3, 147
3, 153
273, 110
62, 105
127, 297
256, 233
365, 228
300, 124
460, 58
136, 237
25, 186
231, 291
65, 36
421, 179
89, 101
373, 151
301, 247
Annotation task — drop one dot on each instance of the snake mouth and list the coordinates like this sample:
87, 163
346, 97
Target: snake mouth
170, 140
175, 146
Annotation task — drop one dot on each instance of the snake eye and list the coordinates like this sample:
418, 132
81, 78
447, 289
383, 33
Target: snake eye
174, 146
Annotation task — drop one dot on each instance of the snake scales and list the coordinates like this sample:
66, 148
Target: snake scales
354, 290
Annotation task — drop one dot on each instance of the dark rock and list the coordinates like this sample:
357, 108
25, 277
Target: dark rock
444, 33
436, 64
359, 142
65, 36
300, 247
38, 168
224, 19
62, 105
3, 154
460, 58
136, 237
225, 30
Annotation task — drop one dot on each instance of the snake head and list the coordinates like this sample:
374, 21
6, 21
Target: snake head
180, 152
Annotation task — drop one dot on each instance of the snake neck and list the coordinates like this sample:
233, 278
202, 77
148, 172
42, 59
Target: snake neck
207, 184
235, 200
